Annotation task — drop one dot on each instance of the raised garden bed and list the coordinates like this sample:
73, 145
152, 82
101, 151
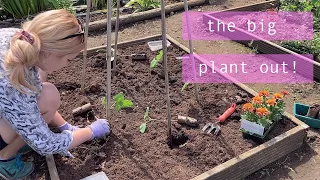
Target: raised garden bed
262, 45
129, 154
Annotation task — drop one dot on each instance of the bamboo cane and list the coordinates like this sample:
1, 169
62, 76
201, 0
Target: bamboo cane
116, 37
164, 48
191, 47
85, 45
108, 94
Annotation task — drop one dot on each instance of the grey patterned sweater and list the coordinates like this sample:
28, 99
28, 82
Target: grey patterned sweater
22, 113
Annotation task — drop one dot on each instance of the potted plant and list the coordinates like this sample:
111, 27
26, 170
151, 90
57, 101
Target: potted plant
262, 113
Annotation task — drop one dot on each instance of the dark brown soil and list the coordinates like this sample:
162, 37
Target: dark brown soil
128, 154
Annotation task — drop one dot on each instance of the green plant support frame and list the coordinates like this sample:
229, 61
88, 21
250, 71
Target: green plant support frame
300, 111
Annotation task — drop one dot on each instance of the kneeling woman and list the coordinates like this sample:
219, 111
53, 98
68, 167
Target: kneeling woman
28, 104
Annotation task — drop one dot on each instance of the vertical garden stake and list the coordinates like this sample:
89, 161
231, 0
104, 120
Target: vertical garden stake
164, 47
108, 94
191, 47
85, 45
116, 36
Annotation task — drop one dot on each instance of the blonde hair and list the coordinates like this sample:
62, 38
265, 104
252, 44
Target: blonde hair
47, 29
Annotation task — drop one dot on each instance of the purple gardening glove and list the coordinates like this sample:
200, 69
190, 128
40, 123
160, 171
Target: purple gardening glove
100, 128
67, 126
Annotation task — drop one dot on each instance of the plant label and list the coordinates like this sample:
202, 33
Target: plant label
252, 127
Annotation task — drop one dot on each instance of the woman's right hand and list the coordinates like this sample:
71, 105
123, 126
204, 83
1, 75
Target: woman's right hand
100, 128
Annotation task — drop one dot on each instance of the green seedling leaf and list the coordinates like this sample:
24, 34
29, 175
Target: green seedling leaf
118, 106
119, 96
126, 103
153, 63
103, 101
156, 60
184, 86
159, 56
143, 127
146, 114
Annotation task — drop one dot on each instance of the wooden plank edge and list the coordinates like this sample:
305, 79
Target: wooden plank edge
52, 168
268, 4
129, 42
248, 154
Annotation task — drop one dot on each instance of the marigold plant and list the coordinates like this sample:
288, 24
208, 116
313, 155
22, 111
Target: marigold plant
265, 108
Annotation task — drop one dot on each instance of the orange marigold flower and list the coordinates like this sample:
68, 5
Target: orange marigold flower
278, 96
248, 107
271, 102
262, 111
264, 93
284, 92
257, 100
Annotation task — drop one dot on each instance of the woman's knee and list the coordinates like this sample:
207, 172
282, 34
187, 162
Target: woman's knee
49, 100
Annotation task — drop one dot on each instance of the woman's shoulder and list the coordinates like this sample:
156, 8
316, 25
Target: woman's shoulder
5, 36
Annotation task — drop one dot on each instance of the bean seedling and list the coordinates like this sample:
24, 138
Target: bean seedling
156, 60
184, 86
146, 119
120, 101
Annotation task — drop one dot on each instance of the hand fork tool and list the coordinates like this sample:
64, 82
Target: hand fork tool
216, 125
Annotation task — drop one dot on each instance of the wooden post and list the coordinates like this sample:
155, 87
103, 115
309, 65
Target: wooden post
191, 49
116, 37
164, 48
52, 168
108, 94
85, 46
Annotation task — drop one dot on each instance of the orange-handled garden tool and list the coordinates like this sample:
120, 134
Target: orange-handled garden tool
220, 119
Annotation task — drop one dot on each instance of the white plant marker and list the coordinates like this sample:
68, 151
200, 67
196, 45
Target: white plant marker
252, 127
85, 45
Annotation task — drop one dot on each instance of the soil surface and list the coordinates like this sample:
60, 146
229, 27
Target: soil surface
128, 154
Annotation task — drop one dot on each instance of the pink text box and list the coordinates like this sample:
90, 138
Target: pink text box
247, 68
247, 26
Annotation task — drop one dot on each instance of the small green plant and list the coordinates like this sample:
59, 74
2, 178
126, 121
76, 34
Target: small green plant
143, 5
146, 119
120, 101
184, 86
156, 59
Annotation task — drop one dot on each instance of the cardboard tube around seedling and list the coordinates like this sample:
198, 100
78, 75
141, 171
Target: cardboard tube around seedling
82, 109
187, 121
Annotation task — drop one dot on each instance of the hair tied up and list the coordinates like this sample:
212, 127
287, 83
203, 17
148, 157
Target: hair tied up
24, 35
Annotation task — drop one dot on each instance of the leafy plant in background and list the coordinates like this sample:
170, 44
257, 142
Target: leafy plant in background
120, 101
143, 5
156, 60
100, 4
62, 4
304, 47
24, 8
